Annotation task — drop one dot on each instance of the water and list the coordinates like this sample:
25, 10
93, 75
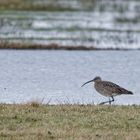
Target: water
99, 24
56, 76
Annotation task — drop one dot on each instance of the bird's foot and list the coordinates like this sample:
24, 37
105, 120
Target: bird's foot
102, 103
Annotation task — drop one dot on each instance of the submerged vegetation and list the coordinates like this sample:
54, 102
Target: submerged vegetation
73, 122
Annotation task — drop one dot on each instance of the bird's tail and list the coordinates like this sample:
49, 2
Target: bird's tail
124, 91
130, 92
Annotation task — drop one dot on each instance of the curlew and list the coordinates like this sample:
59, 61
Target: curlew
108, 89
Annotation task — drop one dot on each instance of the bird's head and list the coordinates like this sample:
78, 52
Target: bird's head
96, 79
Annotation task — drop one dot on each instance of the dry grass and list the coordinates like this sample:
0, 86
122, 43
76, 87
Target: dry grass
33, 104
69, 122
53, 46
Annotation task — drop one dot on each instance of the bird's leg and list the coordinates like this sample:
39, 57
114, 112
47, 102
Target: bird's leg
102, 103
112, 99
108, 101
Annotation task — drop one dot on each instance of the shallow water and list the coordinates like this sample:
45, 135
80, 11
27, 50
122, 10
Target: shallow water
99, 24
56, 76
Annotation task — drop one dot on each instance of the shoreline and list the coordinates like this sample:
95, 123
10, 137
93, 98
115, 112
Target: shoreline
21, 46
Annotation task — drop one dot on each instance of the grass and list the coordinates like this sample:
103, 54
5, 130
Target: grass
28, 5
69, 122
53, 46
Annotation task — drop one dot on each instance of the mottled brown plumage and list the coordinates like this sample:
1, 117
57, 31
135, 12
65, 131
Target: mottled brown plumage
107, 88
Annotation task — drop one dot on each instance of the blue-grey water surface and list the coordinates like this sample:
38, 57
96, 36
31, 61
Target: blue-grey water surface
56, 76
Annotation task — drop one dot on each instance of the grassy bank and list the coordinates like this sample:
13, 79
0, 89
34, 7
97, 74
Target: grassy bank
53, 46
34, 5
20, 46
69, 122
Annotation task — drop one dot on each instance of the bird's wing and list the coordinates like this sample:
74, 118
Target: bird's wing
112, 87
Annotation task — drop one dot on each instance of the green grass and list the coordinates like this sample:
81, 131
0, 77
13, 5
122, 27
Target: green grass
69, 122
28, 5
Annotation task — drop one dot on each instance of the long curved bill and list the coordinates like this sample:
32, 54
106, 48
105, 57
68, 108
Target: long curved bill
87, 82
